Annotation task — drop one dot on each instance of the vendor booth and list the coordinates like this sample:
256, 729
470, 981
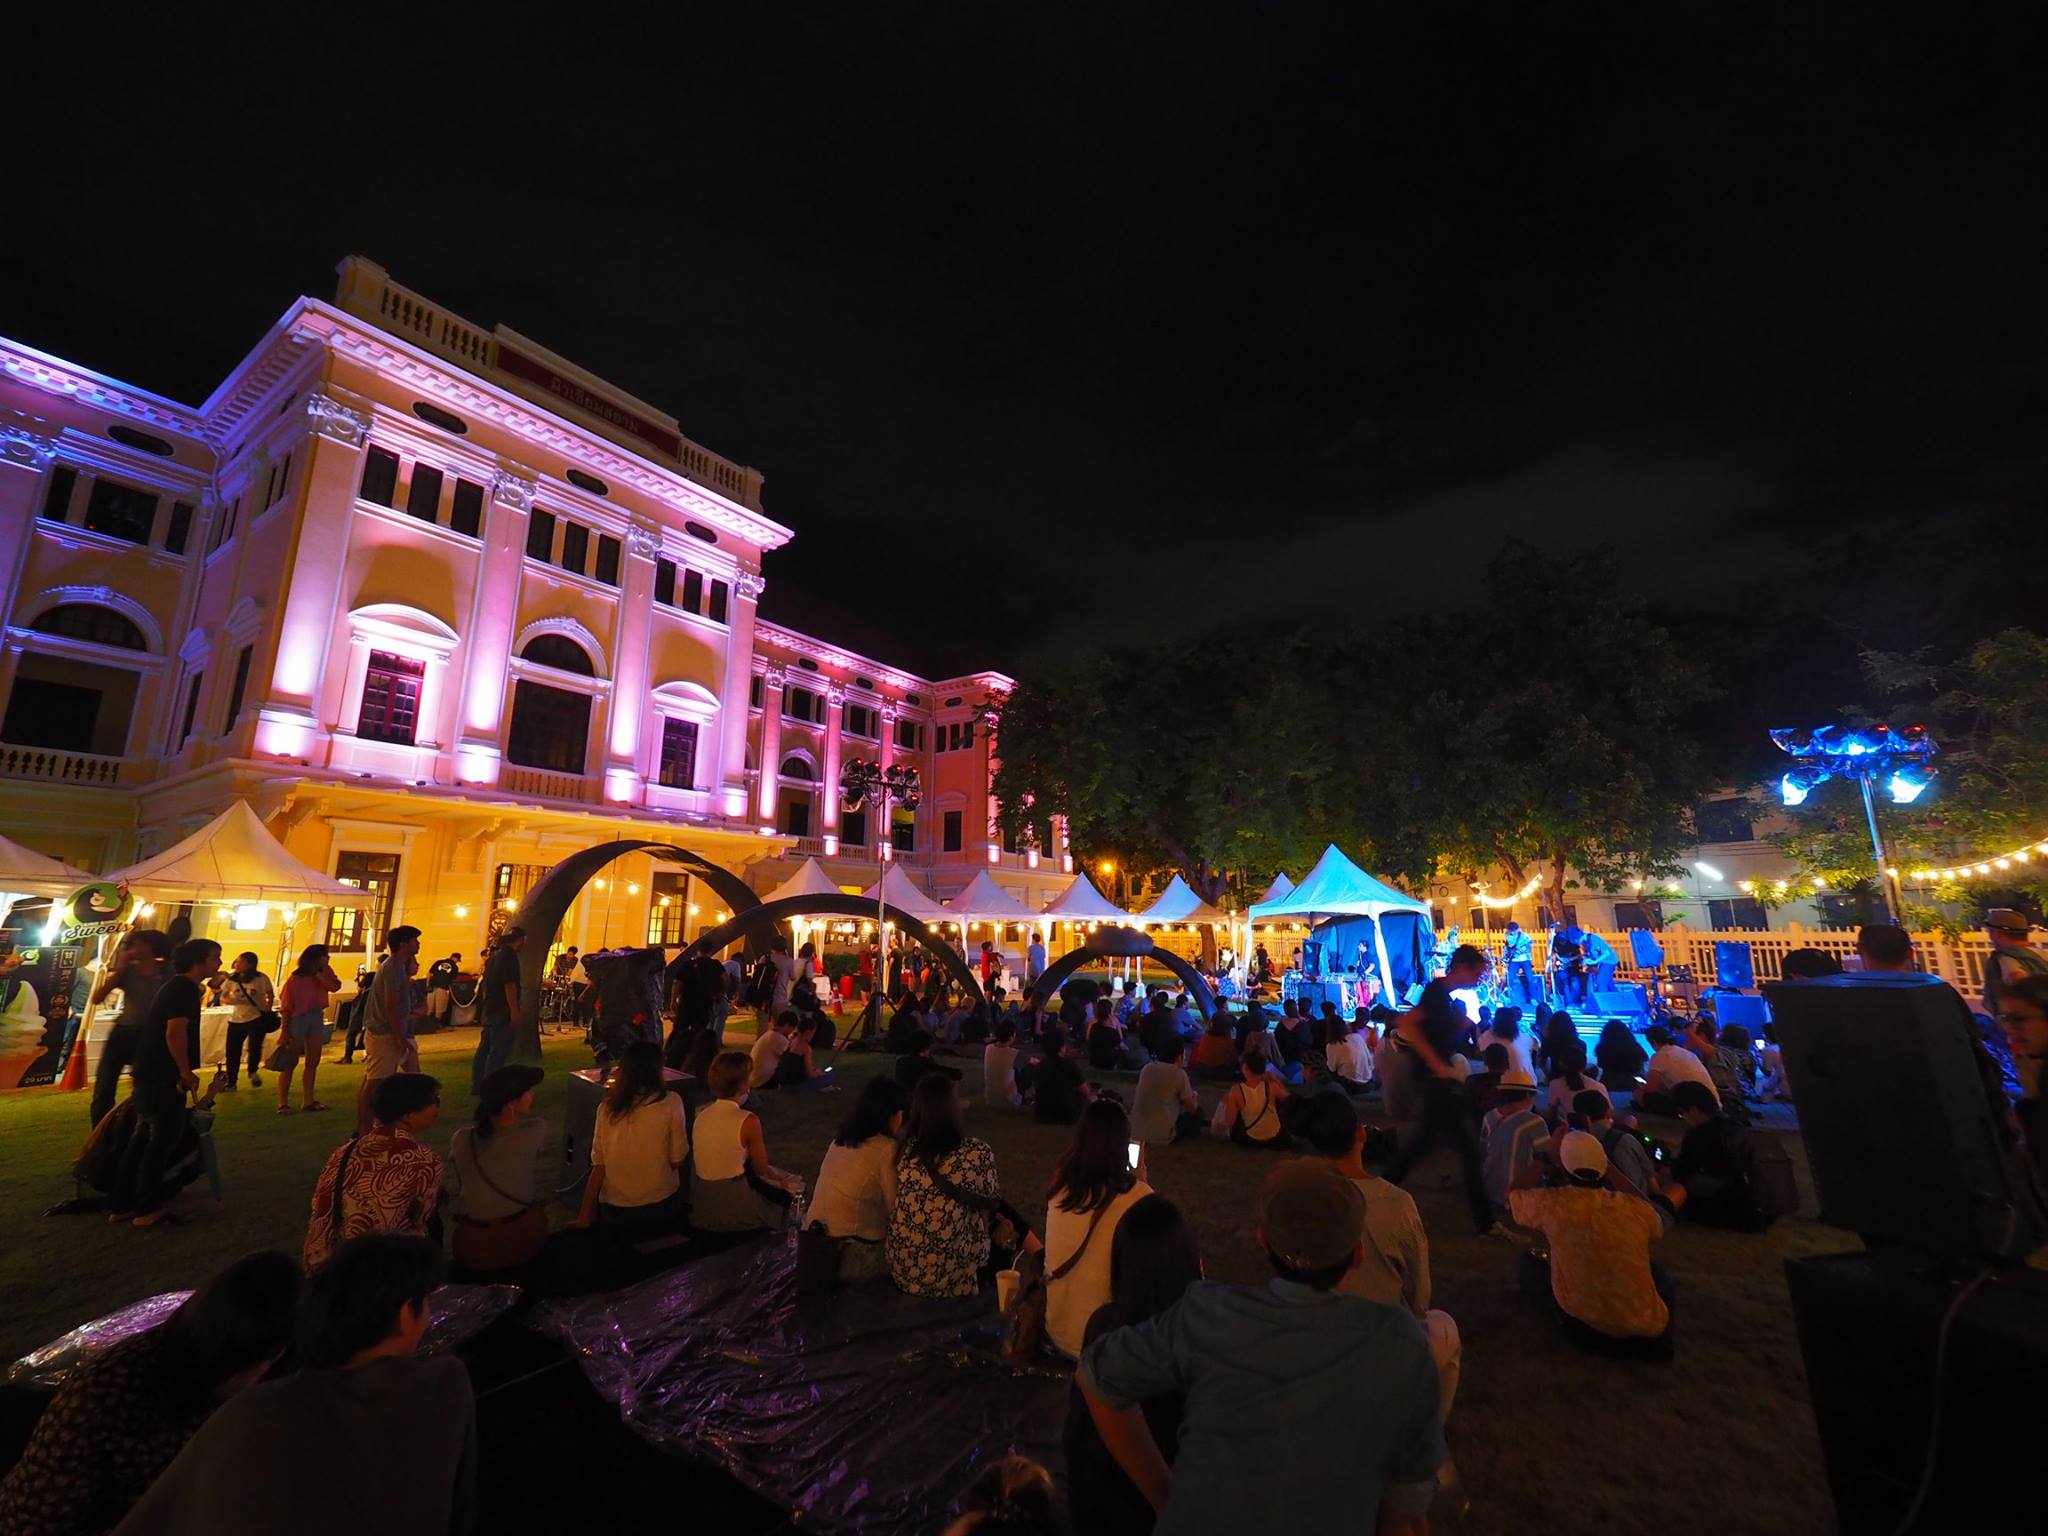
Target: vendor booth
39, 979
1366, 940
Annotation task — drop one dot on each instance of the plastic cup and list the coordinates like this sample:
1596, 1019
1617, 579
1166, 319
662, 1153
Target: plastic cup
1008, 1283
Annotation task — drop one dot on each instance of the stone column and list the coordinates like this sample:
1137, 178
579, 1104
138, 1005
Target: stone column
881, 822
433, 691
771, 744
835, 710
350, 710
487, 643
732, 705
625, 781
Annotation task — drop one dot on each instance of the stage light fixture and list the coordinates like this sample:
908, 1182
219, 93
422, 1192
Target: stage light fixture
1907, 784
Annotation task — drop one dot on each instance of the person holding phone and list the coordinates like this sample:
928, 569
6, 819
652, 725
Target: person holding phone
1100, 1177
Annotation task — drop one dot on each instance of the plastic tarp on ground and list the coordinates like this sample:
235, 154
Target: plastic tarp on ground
870, 1411
234, 858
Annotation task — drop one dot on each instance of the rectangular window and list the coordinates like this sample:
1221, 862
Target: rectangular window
1724, 821
956, 737
796, 815
224, 524
120, 511
910, 735
380, 476
693, 591
754, 691
679, 754
236, 693
550, 728
191, 708
540, 535
950, 838
1741, 912
853, 828
667, 907
280, 482
391, 698
57, 498
1639, 914
607, 559
466, 515
1012, 844
180, 529
860, 720
357, 930
575, 547
665, 582
423, 496
802, 704
716, 613
903, 830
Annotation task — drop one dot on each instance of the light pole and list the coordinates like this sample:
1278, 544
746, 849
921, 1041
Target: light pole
860, 781
1902, 758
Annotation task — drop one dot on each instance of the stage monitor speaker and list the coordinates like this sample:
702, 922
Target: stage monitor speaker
1744, 1008
1644, 949
1899, 1125
1312, 959
1626, 1002
1733, 965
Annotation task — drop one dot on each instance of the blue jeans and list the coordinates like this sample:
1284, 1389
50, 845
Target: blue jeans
1522, 982
493, 1050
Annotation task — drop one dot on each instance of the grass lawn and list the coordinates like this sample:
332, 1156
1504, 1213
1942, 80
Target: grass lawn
1547, 1439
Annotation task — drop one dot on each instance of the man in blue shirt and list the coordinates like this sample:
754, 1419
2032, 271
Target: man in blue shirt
1265, 1372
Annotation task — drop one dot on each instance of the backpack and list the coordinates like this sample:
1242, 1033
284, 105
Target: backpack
1767, 1175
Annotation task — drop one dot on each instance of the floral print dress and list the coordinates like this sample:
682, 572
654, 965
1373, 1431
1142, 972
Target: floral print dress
936, 1245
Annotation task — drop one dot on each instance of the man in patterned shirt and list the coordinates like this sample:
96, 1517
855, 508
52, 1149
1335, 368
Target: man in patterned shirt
383, 1180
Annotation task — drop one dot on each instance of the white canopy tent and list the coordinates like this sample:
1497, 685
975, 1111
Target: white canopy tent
1080, 902
233, 858
810, 880
1338, 888
901, 892
25, 873
1279, 889
981, 900
1178, 903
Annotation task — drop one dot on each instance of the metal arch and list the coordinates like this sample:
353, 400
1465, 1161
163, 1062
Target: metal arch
1121, 944
544, 907
768, 913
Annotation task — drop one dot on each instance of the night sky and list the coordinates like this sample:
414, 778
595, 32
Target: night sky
1059, 325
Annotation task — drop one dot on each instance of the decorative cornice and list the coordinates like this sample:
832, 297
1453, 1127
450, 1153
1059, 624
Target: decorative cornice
338, 422
644, 542
53, 376
515, 491
749, 587
18, 445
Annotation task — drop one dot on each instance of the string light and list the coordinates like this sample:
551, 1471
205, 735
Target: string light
1971, 871
1534, 885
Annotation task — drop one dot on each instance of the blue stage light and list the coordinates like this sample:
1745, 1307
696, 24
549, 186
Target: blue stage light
1907, 784
1796, 785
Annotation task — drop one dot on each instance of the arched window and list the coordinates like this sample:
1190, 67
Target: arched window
797, 766
91, 621
559, 652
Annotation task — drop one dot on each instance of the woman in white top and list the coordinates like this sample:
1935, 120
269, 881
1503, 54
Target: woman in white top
247, 994
1250, 1113
999, 1066
733, 1186
1094, 1184
1346, 1055
638, 1146
1506, 1029
1570, 1082
856, 1191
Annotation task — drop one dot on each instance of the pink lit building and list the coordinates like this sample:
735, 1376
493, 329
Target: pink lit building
443, 607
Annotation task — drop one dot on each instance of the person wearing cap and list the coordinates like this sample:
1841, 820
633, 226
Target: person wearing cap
1265, 1371
388, 1018
384, 1180
1598, 1279
1512, 1132
2012, 954
500, 1223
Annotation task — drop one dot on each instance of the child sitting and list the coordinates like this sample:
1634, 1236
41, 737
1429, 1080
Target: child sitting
1512, 1133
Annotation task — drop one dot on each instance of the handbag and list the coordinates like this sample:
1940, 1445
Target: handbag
508, 1241
817, 1261
285, 1054
1027, 1327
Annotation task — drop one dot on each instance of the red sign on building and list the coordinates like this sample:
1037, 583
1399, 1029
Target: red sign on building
533, 371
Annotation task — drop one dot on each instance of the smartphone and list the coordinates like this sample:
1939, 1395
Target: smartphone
1135, 1150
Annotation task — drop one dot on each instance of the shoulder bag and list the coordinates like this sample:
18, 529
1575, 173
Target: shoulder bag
506, 1242
1027, 1327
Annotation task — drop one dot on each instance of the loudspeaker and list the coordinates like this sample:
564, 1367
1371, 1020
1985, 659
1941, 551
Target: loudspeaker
1625, 1001
1733, 965
1744, 1008
1644, 949
1899, 1124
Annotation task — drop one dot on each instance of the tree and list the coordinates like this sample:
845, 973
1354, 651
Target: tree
1988, 711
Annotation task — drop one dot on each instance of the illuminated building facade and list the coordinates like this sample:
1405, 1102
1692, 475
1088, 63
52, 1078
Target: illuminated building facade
443, 607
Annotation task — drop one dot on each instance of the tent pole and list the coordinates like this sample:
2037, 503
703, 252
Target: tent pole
1379, 939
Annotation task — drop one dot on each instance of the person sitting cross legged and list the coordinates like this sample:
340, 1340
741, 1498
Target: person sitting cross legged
999, 1062
1572, 1079
1347, 1055
384, 1180
1671, 1064
733, 1186
856, 1191
1267, 1371
916, 1064
1629, 1154
1092, 1189
1395, 1268
1216, 1051
1598, 1278
1252, 1113
637, 1149
782, 1052
1058, 1089
1512, 1132
403, 1426
1708, 1182
1165, 1107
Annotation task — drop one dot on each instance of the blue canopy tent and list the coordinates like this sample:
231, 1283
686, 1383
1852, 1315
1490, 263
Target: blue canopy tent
1347, 907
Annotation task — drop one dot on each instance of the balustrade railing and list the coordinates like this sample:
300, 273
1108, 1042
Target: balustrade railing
542, 784
59, 767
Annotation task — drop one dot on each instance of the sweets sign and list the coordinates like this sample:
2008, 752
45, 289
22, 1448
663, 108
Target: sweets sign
100, 908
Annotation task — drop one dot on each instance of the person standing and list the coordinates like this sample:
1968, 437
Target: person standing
2012, 954
164, 1073
304, 1007
388, 1018
1034, 959
1517, 952
498, 1003
1431, 1031
252, 1014
1601, 962
143, 969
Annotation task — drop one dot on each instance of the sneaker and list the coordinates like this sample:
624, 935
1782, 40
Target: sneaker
255, 1081
227, 1087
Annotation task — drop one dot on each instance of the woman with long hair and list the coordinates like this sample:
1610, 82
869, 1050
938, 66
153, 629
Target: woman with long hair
1571, 1080
126, 1412
303, 1006
1153, 1259
1097, 1181
1619, 1055
856, 1190
637, 1147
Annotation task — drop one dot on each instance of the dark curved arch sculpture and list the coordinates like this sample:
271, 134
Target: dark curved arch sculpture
541, 913
765, 915
1125, 944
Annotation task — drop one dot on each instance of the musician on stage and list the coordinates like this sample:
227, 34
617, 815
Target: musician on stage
1568, 962
1601, 961
1516, 952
